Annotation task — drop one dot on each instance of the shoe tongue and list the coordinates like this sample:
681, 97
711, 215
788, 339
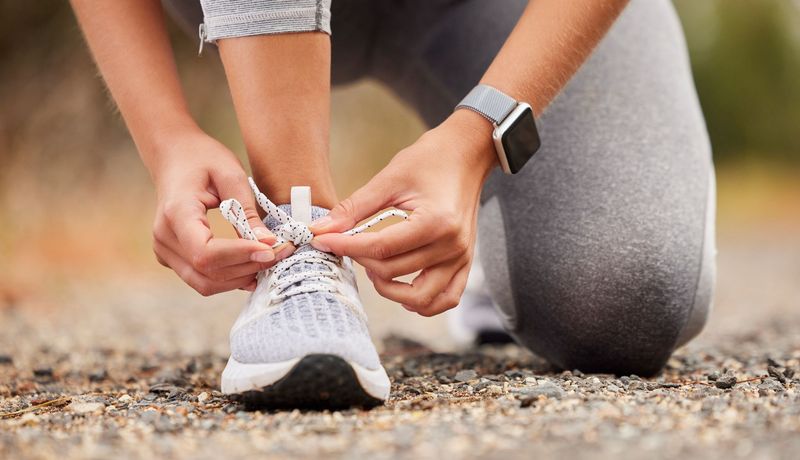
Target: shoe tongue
300, 209
301, 204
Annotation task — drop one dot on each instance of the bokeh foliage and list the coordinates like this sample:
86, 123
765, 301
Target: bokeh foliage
745, 56
746, 62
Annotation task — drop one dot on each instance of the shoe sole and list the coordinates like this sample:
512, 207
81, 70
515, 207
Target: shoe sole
317, 381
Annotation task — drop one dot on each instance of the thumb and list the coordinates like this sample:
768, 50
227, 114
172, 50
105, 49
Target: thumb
364, 202
239, 189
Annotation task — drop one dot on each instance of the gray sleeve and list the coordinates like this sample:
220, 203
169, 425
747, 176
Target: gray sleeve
239, 18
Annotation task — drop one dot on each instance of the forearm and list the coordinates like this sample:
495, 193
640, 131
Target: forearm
549, 43
130, 44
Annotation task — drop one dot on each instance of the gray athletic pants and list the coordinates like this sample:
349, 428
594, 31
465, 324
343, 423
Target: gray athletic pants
600, 253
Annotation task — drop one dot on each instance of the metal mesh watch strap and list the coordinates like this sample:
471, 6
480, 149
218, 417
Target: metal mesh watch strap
489, 102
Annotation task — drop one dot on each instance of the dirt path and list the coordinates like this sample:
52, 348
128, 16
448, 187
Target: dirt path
117, 371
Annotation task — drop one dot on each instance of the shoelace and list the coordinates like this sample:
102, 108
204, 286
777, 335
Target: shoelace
297, 233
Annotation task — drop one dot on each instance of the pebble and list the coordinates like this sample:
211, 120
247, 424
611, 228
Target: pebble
203, 397
726, 381
776, 373
125, 399
6, 359
41, 372
465, 375
547, 389
637, 385
79, 407
98, 375
769, 385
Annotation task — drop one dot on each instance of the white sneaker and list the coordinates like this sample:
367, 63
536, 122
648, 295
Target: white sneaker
302, 340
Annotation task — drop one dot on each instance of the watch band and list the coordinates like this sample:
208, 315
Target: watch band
491, 103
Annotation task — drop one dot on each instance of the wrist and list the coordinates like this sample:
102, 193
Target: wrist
475, 132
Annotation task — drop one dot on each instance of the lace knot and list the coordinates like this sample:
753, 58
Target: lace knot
289, 229
295, 232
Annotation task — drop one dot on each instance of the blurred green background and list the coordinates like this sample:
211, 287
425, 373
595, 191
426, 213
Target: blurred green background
75, 201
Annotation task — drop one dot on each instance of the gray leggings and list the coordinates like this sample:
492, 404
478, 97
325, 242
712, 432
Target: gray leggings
600, 253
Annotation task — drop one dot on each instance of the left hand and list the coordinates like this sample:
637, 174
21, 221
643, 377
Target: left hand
439, 178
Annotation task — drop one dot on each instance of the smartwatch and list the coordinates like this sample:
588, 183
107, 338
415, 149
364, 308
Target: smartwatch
515, 136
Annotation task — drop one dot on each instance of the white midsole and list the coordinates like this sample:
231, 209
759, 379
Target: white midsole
240, 377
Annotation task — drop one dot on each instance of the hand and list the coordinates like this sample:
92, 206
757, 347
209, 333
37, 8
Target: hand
439, 179
194, 174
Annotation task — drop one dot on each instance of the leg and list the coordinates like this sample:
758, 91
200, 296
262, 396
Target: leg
600, 253
284, 115
280, 85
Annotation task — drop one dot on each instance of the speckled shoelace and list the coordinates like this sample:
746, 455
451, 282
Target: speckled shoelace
298, 233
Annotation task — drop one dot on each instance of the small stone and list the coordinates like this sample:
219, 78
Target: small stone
98, 375
726, 381
168, 390
86, 407
494, 390
514, 374
482, 383
125, 399
613, 388
771, 362
637, 385
713, 377
547, 389
43, 372
774, 372
465, 375
203, 397
6, 360
770, 385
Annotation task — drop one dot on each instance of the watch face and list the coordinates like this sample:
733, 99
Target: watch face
521, 141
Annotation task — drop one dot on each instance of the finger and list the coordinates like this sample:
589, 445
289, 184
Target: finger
198, 281
236, 186
188, 222
421, 293
220, 273
219, 253
283, 251
412, 261
364, 202
450, 297
419, 230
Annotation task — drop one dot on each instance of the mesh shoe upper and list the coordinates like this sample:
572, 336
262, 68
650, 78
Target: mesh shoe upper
279, 325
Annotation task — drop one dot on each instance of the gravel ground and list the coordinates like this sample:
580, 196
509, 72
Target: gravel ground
104, 375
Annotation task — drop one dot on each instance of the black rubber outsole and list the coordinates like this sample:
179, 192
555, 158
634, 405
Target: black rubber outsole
316, 382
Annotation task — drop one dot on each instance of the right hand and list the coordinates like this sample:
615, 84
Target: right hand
192, 175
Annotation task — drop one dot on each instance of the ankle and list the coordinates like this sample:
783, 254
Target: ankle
278, 188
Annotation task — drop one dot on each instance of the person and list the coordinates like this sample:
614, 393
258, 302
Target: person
597, 255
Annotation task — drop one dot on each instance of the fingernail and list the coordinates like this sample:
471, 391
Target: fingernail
408, 308
321, 222
262, 256
320, 246
262, 233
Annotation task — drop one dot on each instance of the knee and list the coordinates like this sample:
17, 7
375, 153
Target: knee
624, 317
